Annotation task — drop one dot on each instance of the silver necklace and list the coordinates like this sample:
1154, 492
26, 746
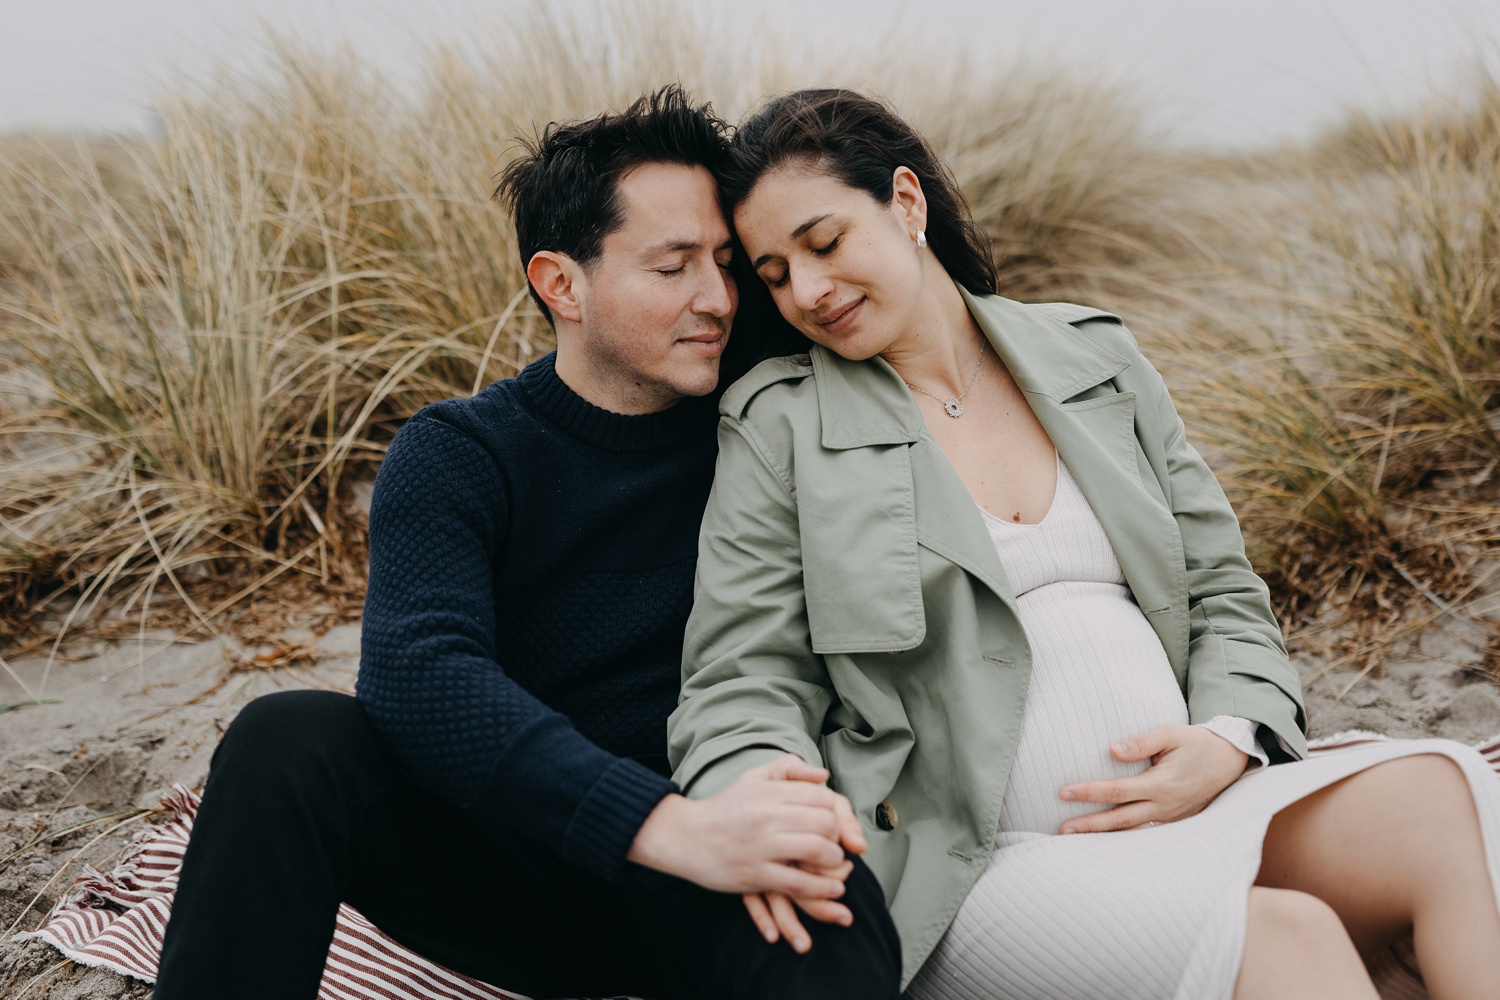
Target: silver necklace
953, 405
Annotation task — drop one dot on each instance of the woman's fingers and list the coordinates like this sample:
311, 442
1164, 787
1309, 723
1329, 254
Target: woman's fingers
826, 911
1120, 818
776, 921
843, 826
809, 819
1115, 792
808, 850
851, 834
1183, 778
802, 793
1146, 745
792, 768
792, 881
839, 871
790, 926
760, 914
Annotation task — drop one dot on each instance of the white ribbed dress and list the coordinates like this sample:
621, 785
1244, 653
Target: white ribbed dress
1148, 913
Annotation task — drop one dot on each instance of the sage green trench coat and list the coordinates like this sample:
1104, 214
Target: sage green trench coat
850, 607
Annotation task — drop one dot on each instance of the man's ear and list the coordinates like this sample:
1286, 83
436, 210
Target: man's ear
560, 282
908, 199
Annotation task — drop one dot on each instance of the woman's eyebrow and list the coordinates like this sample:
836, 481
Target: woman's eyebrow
797, 233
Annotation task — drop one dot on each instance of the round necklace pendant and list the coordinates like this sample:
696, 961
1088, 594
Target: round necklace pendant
954, 407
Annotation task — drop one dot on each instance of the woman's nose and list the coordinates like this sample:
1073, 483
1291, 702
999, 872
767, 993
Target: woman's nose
810, 285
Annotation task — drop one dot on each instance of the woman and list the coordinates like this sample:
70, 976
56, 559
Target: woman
961, 554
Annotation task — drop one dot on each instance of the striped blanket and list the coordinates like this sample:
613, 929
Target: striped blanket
115, 919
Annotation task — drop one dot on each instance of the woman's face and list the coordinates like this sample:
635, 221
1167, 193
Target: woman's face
843, 268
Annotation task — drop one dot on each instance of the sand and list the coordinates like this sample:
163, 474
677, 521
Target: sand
134, 717
129, 721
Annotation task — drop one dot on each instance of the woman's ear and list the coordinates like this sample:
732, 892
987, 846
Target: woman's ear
908, 201
559, 281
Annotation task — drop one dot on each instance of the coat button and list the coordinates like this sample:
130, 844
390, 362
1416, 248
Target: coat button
885, 816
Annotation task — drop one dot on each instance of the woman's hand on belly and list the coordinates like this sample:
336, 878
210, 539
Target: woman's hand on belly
1190, 766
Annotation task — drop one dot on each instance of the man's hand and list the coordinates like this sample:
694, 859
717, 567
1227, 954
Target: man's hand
776, 829
1190, 766
775, 913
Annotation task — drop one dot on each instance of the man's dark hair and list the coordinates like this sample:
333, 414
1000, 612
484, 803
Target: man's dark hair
563, 189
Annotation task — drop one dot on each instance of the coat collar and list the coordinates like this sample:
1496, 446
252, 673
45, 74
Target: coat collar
864, 403
1045, 355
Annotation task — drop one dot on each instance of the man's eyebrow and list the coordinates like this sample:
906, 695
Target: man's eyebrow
682, 246
671, 246
797, 234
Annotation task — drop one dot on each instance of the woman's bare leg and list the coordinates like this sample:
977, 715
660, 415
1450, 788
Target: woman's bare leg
1393, 848
1296, 948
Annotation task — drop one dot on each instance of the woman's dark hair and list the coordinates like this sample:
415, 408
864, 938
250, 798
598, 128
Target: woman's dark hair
861, 142
563, 191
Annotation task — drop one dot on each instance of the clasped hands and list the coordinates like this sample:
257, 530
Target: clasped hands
777, 836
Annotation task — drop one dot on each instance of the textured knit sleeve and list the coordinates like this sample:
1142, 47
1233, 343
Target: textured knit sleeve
432, 676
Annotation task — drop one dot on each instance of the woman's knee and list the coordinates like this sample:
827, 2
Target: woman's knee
1296, 946
1421, 768
1295, 915
1427, 794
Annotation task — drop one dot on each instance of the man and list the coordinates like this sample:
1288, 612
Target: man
497, 797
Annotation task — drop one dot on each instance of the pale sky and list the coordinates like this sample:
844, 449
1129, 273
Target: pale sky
1216, 72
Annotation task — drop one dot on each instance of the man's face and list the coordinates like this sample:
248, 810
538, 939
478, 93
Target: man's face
658, 300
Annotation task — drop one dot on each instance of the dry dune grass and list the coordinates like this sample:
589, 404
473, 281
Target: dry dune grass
1354, 407
208, 337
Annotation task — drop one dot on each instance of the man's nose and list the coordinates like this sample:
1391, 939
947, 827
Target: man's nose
717, 294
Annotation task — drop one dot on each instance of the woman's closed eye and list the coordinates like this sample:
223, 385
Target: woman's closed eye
778, 280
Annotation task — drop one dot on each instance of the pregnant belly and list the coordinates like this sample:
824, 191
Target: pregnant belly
1098, 675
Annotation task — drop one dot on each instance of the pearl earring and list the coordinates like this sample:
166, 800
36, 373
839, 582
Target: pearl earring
921, 238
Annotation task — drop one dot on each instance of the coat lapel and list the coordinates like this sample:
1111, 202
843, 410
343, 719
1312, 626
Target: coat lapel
948, 520
1065, 376
865, 404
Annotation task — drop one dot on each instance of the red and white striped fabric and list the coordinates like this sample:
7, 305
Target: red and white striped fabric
116, 919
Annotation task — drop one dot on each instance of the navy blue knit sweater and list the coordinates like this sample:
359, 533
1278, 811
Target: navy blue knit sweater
531, 572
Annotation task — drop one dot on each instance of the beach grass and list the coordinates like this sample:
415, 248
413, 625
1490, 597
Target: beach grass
207, 338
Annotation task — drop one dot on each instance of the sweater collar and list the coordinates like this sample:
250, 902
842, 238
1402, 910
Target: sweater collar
607, 429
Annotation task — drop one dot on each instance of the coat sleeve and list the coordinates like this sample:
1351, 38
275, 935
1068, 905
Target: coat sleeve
1237, 662
753, 689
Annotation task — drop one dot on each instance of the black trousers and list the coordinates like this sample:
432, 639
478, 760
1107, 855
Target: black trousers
304, 809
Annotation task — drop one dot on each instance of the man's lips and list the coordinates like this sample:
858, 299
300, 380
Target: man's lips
839, 318
708, 341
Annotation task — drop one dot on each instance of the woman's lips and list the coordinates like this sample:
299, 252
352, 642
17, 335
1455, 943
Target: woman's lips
843, 317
